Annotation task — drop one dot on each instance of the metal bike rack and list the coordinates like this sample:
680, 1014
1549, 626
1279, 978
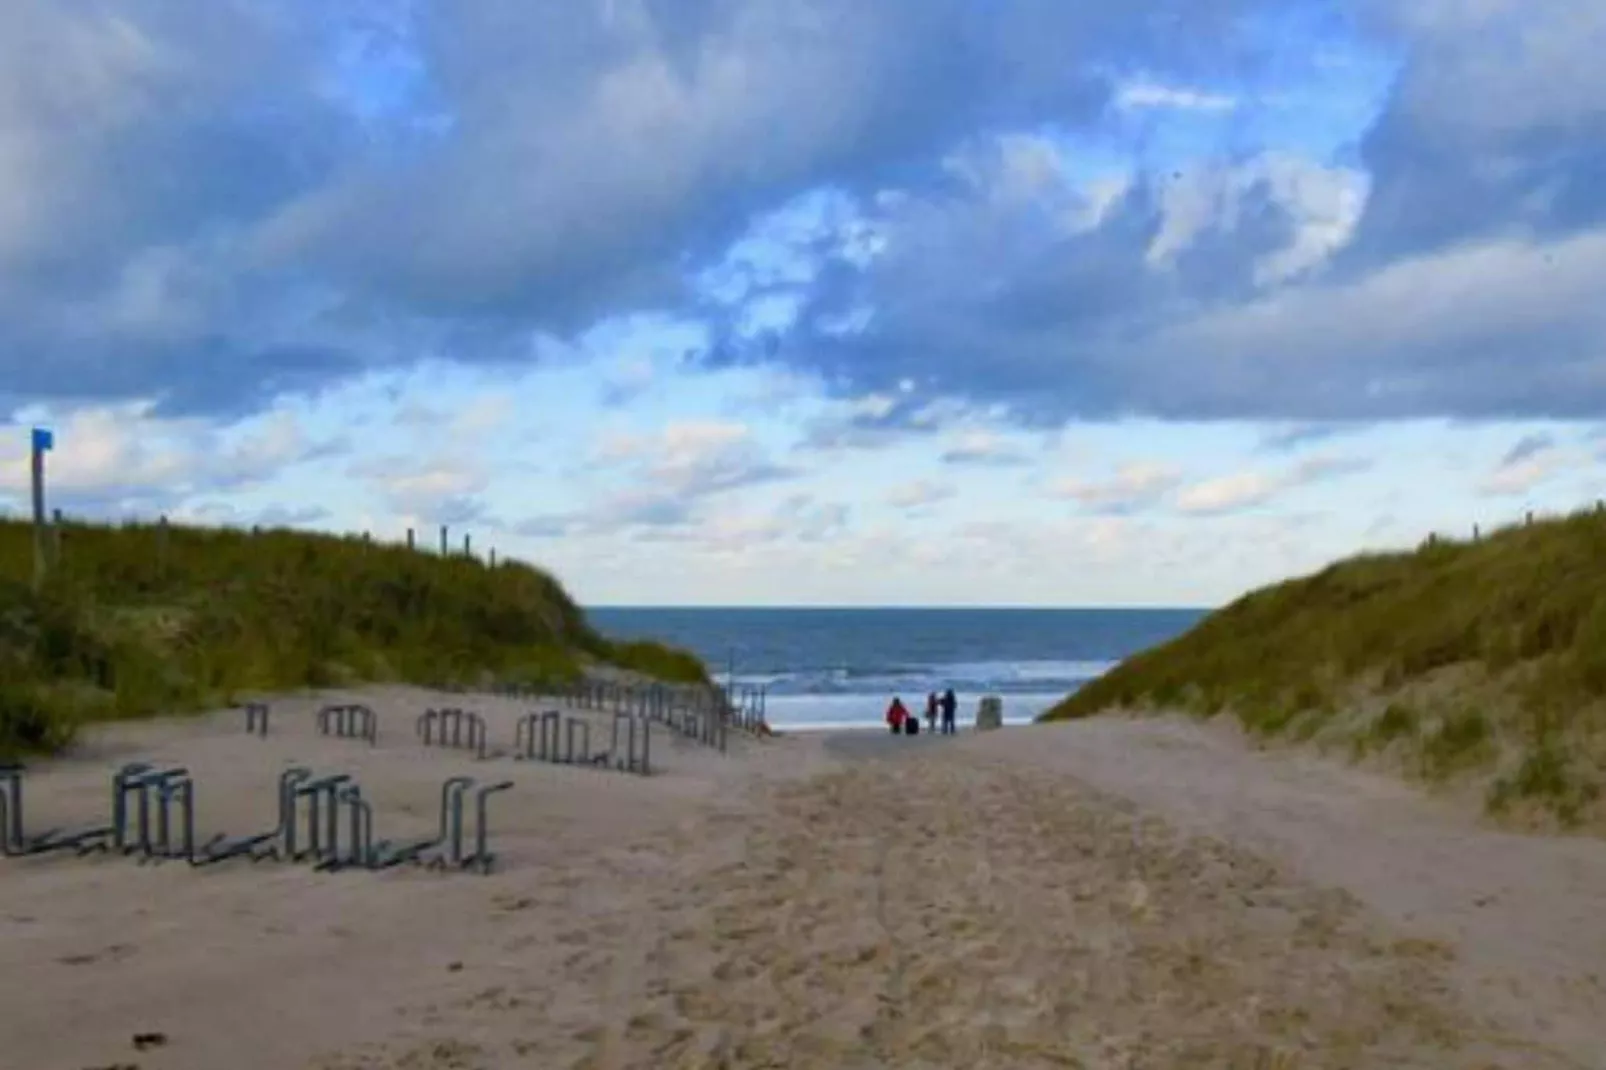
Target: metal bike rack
447, 851
332, 792
178, 790
452, 727
126, 780
256, 718
349, 721
577, 728
634, 757
360, 849
289, 781
161, 790
323, 816
362, 852
148, 784
444, 850
257, 846
482, 859
153, 816
14, 839
536, 738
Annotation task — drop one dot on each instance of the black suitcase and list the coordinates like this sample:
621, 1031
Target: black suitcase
912, 726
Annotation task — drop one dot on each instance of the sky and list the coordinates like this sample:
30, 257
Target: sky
781, 302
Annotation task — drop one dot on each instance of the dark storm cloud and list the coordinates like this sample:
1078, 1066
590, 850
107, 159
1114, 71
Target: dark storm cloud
598, 149
1495, 127
210, 204
231, 186
1465, 291
138, 141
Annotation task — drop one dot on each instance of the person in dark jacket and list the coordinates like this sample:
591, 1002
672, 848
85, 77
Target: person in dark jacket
950, 705
932, 704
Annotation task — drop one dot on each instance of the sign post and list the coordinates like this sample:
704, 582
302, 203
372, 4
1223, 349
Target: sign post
43, 443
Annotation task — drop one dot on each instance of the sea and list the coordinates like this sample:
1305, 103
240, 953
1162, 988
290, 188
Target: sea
840, 668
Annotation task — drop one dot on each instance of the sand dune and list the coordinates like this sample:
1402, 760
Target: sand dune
959, 904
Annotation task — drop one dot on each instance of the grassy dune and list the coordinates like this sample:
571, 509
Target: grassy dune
141, 620
1468, 664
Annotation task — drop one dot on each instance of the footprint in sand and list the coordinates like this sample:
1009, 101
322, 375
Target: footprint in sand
111, 953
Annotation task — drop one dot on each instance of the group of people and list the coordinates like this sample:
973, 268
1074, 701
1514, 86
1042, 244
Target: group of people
945, 705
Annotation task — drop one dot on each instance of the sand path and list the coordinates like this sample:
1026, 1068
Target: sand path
954, 903
1525, 915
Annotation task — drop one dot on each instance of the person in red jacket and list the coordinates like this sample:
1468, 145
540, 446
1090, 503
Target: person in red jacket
896, 715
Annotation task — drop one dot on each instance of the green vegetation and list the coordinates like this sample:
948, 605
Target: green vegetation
147, 619
1461, 661
658, 660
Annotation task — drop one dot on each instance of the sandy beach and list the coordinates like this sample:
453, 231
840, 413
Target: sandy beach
1119, 894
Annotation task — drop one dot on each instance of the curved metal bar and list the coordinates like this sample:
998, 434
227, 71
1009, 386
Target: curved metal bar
482, 857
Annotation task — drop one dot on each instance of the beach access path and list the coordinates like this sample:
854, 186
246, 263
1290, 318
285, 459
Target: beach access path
1114, 894
1521, 917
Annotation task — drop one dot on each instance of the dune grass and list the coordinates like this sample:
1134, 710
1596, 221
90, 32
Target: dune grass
149, 619
1460, 662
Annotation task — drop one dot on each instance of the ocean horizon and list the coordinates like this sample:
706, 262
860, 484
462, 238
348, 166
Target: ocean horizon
838, 667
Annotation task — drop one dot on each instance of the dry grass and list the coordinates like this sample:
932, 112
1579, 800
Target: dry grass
1461, 662
145, 619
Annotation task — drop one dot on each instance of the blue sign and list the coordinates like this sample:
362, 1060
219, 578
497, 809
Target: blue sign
43, 440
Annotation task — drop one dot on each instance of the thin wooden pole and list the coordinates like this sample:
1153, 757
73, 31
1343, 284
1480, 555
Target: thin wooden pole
38, 467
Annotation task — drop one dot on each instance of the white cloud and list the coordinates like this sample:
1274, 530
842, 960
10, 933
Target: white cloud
919, 493
1146, 94
1244, 490
1323, 205
670, 474
1134, 486
983, 447
628, 379
692, 458
1516, 479
427, 490
483, 415
1472, 328
124, 458
1227, 493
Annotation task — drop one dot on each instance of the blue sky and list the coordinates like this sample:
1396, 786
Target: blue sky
813, 301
